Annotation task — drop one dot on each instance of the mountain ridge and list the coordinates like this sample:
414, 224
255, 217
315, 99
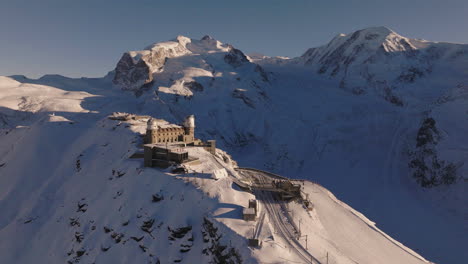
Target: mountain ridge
356, 131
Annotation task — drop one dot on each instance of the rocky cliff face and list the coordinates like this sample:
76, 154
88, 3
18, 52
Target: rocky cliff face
235, 57
130, 75
136, 68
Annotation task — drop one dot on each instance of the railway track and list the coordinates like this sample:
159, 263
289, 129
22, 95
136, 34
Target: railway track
278, 217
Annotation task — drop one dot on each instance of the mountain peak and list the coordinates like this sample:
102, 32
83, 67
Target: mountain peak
360, 46
381, 30
207, 37
374, 36
369, 36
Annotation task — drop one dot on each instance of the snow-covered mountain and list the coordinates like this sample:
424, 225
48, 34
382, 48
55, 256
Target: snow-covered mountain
70, 192
184, 57
378, 119
380, 58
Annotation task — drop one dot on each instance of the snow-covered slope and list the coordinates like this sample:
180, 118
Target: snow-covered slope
71, 193
379, 58
350, 115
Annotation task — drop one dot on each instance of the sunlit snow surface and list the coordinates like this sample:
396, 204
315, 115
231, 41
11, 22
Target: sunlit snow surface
298, 123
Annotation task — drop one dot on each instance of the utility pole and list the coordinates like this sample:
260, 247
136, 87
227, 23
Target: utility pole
305, 240
300, 227
327, 257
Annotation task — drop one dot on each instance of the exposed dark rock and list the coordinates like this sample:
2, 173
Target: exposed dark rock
77, 257
194, 86
137, 239
78, 163
390, 97
221, 253
79, 237
80, 252
235, 57
157, 198
262, 73
29, 220
207, 37
74, 222
239, 93
147, 226
136, 73
427, 133
185, 248
179, 232
105, 248
410, 75
428, 169
120, 174
130, 75
117, 237
82, 207
143, 247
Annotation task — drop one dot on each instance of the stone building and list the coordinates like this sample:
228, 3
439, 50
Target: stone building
170, 133
166, 143
159, 155
249, 214
253, 204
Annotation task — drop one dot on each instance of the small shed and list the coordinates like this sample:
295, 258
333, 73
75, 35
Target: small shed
249, 214
253, 204
253, 242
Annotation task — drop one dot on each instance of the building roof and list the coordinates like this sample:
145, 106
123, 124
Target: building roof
171, 147
248, 211
154, 123
168, 126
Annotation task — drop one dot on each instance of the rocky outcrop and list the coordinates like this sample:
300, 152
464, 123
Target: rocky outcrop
130, 75
194, 86
241, 94
428, 169
262, 73
235, 57
136, 68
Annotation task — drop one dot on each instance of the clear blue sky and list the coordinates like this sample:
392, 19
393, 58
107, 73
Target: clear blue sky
87, 37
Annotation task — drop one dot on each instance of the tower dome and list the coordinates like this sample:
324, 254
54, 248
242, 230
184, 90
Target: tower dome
151, 124
189, 121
